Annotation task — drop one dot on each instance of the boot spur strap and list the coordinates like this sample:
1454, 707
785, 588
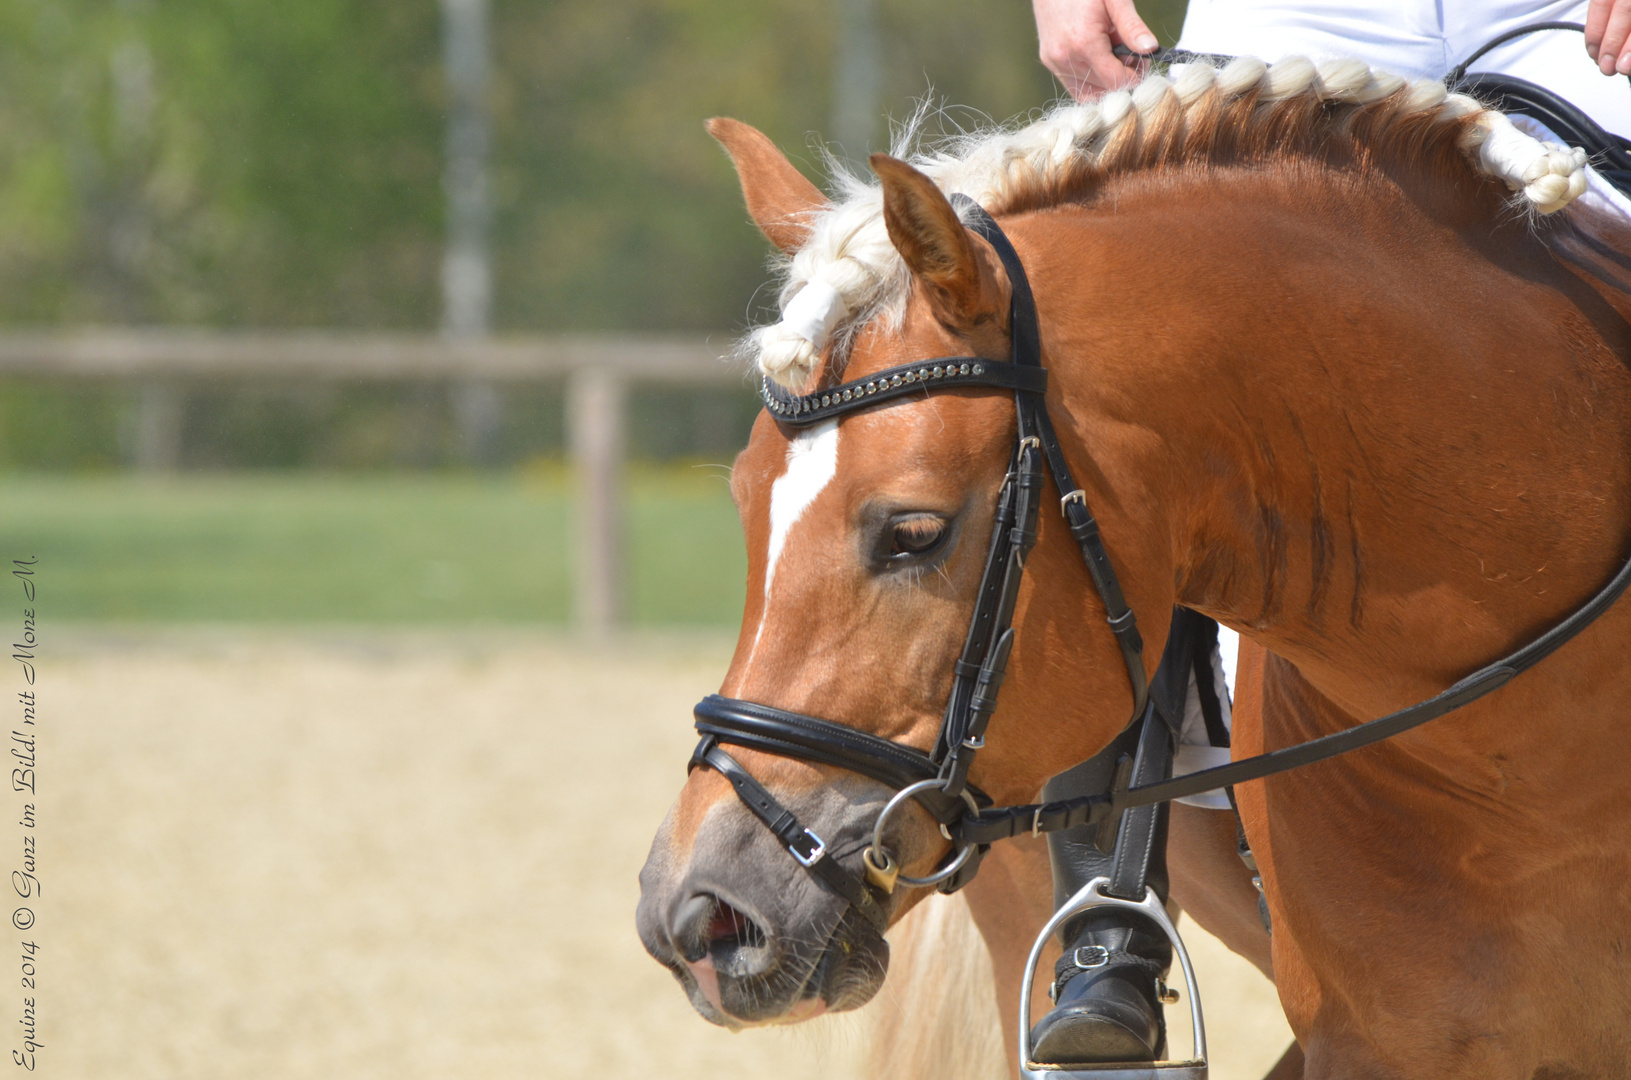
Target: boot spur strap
1096, 959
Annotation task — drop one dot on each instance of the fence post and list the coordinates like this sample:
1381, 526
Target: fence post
595, 399
160, 407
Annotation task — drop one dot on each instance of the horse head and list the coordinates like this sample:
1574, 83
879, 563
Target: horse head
867, 536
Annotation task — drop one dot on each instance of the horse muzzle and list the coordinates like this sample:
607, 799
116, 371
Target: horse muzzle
751, 938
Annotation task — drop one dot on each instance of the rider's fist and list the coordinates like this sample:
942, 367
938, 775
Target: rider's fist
1077, 36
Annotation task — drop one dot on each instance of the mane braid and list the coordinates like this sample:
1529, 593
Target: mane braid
849, 275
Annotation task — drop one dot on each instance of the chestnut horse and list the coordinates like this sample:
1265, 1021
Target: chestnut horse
1320, 379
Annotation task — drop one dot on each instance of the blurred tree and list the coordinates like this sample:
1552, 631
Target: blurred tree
615, 209
251, 162
280, 163
219, 161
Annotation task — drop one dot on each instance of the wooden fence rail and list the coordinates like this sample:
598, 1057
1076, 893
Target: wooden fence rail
597, 370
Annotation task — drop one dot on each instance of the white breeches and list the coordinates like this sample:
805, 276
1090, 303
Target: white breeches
1425, 39
1420, 38
1195, 749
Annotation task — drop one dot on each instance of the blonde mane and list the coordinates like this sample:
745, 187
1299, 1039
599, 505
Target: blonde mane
848, 274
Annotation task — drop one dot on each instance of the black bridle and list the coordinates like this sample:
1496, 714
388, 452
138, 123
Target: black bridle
978, 673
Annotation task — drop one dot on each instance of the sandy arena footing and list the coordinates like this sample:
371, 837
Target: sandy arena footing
395, 854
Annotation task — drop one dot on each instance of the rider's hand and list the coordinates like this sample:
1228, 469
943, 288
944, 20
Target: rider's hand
1077, 35
1608, 25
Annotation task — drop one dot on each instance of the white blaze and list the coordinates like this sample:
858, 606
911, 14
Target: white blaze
812, 460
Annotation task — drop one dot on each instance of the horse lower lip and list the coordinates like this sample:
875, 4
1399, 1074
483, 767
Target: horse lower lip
707, 977
808, 1009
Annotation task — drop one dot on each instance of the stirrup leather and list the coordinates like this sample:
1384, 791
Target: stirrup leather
1092, 895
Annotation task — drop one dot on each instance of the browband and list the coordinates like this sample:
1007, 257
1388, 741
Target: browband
942, 373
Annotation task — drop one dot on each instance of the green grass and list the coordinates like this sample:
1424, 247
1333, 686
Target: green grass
350, 548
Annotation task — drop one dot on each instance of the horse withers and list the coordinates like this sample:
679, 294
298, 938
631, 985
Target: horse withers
1320, 378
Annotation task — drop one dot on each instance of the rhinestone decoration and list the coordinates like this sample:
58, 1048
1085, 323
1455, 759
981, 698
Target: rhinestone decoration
838, 396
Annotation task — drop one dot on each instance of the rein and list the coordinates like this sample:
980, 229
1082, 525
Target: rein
938, 780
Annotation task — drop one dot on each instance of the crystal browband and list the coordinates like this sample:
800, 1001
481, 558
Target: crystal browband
949, 372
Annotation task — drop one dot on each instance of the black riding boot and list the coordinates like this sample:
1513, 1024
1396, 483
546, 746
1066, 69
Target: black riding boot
1106, 1006
1107, 985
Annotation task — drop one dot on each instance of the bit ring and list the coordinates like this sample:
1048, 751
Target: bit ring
901, 796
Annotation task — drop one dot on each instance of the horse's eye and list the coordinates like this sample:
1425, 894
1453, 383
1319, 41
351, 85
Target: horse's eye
915, 535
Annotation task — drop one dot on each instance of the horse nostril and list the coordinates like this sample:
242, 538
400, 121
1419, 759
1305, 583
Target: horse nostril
705, 924
731, 927
692, 922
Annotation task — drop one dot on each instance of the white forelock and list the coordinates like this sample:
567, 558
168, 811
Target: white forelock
848, 274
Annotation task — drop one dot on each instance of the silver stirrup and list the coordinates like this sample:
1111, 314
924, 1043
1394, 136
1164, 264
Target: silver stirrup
1092, 895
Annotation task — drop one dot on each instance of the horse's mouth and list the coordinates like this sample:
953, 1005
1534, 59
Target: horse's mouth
797, 984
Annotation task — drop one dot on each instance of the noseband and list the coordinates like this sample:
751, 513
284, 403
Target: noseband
938, 780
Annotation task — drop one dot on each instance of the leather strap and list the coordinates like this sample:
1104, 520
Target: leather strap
989, 825
1034, 421
1459, 72
1097, 961
941, 373
1141, 826
1004, 822
1173, 56
963, 732
809, 738
805, 846
1485, 680
977, 643
778, 731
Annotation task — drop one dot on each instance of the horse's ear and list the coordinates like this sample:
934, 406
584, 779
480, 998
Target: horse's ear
936, 247
779, 197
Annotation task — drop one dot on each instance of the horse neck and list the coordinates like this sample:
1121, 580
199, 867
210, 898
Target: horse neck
1386, 450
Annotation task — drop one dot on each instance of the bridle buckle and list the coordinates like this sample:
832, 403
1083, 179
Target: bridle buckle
814, 857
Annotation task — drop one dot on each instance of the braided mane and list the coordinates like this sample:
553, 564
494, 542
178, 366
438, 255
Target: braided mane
848, 273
